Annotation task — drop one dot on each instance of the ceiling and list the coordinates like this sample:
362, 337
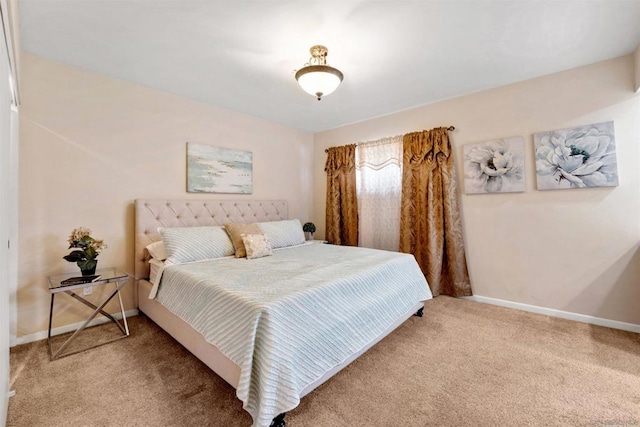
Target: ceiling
395, 55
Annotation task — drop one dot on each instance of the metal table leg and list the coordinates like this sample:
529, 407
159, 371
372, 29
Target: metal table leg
96, 310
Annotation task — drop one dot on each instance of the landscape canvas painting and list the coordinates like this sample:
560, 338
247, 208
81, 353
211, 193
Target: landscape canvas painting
494, 166
218, 170
579, 157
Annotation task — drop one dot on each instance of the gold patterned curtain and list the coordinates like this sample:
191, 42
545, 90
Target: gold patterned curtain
430, 226
342, 204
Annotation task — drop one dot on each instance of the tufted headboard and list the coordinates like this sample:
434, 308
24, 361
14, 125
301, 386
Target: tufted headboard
153, 214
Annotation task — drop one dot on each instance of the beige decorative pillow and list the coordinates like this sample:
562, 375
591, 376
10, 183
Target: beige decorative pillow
256, 245
235, 231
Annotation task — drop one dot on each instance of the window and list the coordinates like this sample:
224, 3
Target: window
379, 190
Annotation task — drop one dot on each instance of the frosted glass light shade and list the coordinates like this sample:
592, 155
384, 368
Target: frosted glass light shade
319, 80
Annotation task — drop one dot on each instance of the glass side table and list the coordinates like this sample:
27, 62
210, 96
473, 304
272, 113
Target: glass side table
69, 283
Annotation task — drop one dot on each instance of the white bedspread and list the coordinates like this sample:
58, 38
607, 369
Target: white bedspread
288, 318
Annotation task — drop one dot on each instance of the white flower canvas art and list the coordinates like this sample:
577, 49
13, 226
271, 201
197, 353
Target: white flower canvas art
494, 166
578, 157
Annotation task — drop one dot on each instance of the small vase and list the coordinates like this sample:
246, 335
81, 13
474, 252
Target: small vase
90, 271
308, 235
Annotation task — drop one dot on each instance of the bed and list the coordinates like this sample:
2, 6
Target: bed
275, 328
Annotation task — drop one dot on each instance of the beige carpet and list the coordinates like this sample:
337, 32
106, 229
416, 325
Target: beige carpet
463, 364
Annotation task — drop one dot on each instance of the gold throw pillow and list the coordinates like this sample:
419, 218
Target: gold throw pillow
235, 231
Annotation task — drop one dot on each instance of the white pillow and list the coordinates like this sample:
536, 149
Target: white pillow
155, 270
157, 250
186, 244
283, 233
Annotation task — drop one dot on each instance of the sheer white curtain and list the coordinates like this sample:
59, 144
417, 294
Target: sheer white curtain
379, 190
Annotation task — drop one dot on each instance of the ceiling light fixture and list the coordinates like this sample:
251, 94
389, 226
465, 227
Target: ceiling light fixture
316, 77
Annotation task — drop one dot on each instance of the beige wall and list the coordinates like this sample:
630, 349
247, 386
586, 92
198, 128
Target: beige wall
572, 250
90, 145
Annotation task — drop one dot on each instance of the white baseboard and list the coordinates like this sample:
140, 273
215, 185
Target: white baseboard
558, 313
631, 327
70, 328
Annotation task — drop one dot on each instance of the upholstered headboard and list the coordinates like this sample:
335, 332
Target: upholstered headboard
154, 214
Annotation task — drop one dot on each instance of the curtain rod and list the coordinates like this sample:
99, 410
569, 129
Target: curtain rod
450, 128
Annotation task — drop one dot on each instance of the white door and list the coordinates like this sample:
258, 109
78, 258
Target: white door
8, 203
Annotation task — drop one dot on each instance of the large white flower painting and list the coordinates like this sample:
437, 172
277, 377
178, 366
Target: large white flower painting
578, 157
494, 166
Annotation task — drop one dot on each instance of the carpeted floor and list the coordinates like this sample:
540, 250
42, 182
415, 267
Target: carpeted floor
462, 364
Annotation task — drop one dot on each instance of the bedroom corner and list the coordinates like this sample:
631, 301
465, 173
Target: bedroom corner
91, 145
532, 237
